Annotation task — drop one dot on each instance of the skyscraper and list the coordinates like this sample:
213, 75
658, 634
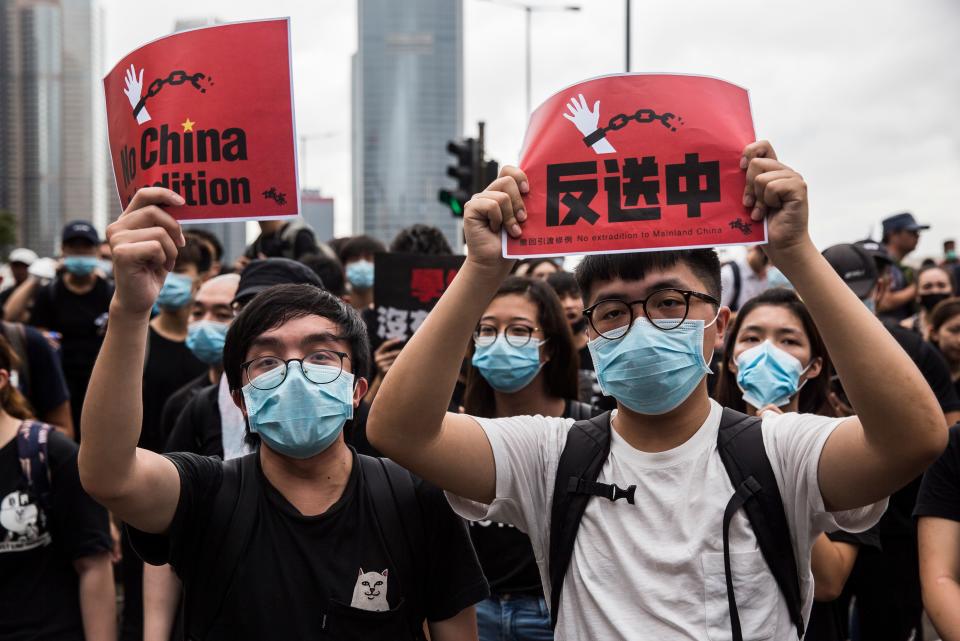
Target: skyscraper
407, 103
52, 143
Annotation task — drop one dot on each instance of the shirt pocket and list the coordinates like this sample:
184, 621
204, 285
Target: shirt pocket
346, 623
756, 592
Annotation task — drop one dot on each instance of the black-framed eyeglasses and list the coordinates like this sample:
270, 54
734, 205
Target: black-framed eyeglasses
666, 309
516, 335
268, 372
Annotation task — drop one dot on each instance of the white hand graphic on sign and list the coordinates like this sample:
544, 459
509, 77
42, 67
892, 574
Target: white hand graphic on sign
133, 91
586, 121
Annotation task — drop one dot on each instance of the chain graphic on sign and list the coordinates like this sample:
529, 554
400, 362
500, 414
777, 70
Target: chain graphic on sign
276, 196
134, 88
594, 136
746, 228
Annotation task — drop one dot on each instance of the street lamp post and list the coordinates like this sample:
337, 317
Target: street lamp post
528, 10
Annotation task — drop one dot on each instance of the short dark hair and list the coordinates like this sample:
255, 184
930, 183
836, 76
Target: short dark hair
704, 263
421, 239
280, 304
560, 372
360, 246
942, 313
329, 270
193, 253
208, 236
564, 283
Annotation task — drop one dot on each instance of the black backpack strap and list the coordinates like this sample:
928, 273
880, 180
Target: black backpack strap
228, 534
583, 456
740, 444
32, 438
400, 520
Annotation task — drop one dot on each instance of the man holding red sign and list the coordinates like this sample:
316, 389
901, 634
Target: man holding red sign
655, 521
636, 162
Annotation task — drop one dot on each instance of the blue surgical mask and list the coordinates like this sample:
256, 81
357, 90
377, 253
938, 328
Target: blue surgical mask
299, 418
767, 375
205, 339
870, 304
505, 367
80, 265
176, 292
360, 274
649, 370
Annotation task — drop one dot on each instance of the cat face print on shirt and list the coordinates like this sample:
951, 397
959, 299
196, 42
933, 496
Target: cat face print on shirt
370, 592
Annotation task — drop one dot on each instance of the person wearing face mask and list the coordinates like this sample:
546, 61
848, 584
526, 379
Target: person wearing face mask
357, 259
886, 582
565, 285
640, 519
169, 365
934, 284
75, 305
522, 361
302, 538
777, 362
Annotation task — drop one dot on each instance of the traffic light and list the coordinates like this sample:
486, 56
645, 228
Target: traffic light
465, 172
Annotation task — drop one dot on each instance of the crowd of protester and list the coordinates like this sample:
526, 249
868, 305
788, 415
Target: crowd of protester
190, 442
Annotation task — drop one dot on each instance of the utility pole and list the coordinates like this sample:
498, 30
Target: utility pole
628, 35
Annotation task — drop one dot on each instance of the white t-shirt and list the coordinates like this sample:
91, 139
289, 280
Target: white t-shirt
654, 570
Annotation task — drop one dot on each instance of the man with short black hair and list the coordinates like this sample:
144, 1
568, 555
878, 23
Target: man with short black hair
332, 543
660, 520
75, 306
901, 234
357, 259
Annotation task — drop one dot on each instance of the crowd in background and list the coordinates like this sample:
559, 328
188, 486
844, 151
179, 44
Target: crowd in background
870, 585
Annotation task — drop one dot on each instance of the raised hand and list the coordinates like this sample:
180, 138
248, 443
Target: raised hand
134, 89
586, 122
498, 207
144, 242
779, 194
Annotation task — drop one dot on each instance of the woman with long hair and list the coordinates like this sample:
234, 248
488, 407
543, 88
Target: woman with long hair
945, 334
775, 360
522, 361
56, 576
934, 285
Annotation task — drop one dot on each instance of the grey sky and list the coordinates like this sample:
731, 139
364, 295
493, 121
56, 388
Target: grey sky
860, 97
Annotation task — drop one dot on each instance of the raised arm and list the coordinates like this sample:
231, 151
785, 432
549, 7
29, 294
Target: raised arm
408, 420
940, 573
138, 486
899, 428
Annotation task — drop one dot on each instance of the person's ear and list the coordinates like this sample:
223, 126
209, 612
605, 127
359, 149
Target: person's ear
237, 397
723, 323
360, 386
4, 378
816, 367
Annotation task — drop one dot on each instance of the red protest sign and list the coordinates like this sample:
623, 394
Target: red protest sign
208, 113
636, 162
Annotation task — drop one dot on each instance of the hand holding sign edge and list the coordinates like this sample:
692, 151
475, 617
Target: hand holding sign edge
144, 242
499, 206
779, 194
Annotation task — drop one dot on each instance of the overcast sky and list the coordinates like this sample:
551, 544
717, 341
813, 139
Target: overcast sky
861, 98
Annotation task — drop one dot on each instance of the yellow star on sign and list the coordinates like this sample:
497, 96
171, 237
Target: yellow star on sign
187, 125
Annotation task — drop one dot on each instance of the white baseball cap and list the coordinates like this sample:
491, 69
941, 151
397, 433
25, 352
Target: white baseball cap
22, 255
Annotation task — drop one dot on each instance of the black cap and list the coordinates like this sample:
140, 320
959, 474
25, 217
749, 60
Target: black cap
876, 251
902, 221
855, 266
80, 230
263, 273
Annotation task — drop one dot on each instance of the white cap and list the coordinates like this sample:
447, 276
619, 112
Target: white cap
44, 268
22, 255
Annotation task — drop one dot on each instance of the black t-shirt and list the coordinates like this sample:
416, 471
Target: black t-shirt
300, 574
170, 365
897, 522
506, 555
940, 490
198, 429
45, 387
176, 404
828, 620
80, 318
39, 590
